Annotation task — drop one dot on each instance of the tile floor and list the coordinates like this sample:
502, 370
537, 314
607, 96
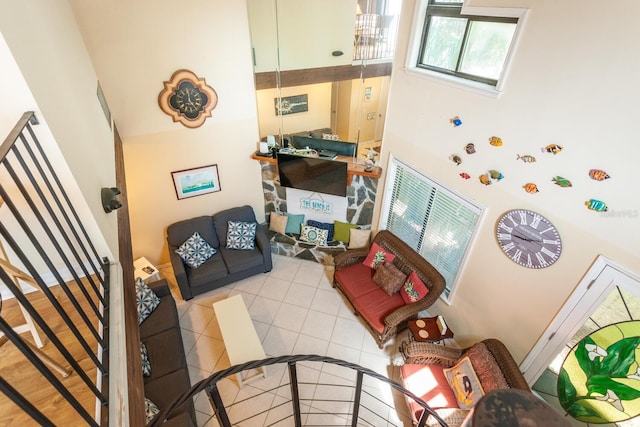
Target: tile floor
295, 311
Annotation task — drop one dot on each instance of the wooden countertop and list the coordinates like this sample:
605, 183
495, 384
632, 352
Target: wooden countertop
353, 168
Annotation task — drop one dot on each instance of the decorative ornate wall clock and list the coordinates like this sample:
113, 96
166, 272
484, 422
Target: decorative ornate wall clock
528, 238
187, 99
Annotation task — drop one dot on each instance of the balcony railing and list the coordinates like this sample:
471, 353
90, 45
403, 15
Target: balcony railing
46, 254
361, 397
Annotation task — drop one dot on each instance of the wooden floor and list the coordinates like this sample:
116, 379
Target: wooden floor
23, 376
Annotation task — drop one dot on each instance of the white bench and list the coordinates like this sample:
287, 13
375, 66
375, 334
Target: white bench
239, 335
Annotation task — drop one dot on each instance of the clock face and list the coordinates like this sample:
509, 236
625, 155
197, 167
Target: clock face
188, 100
528, 238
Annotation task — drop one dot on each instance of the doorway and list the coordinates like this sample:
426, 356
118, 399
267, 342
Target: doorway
607, 295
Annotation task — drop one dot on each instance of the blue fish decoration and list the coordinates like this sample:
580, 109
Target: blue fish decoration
596, 205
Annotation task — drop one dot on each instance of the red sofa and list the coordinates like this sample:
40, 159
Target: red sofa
384, 315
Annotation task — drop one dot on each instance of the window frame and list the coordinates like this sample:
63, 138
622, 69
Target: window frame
394, 163
477, 13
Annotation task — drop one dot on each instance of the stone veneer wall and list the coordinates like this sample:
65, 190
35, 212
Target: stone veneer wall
361, 197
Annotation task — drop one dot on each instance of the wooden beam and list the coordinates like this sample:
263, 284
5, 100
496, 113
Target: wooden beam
268, 80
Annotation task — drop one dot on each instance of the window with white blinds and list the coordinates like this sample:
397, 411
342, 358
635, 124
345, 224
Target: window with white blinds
433, 220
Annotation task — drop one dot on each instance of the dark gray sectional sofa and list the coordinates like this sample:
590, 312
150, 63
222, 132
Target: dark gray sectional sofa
160, 333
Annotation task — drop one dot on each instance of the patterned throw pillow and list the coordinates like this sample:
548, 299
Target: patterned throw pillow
314, 235
146, 300
278, 223
146, 365
413, 289
150, 410
389, 278
377, 256
323, 226
195, 251
241, 235
464, 383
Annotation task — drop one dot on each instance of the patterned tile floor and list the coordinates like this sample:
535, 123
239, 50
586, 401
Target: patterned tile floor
295, 311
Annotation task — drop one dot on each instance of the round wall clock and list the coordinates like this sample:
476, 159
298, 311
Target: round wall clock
528, 238
187, 99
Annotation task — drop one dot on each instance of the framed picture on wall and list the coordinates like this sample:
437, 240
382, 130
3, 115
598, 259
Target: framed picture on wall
291, 104
196, 181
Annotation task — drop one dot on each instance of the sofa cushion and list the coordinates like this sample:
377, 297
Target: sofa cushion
195, 250
241, 235
213, 269
465, 383
150, 410
377, 256
278, 223
294, 222
429, 383
180, 231
323, 226
146, 300
376, 305
164, 390
221, 219
162, 318
313, 235
389, 278
165, 353
413, 289
355, 280
486, 367
341, 230
237, 261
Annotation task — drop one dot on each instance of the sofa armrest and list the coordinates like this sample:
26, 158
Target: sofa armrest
425, 353
350, 257
507, 364
160, 288
262, 241
180, 272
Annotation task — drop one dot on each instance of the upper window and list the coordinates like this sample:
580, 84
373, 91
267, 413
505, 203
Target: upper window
465, 43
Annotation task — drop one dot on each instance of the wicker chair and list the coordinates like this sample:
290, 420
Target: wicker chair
503, 370
385, 326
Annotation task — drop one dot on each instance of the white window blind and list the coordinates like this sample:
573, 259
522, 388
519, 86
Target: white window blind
433, 220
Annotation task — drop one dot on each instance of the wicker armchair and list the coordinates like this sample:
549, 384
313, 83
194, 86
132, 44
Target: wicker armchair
385, 315
503, 372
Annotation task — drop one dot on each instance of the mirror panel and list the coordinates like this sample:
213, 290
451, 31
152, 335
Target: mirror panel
296, 53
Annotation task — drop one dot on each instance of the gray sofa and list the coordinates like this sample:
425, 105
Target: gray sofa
227, 265
160, 333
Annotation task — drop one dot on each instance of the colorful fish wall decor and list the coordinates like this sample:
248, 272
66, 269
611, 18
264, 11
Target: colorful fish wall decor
465, 175
455, 121
562, 182
530, 188
596, 205
455, 159
495, 175
527, 158
552, 148
598, 174
470, 148
484, 179
496, 141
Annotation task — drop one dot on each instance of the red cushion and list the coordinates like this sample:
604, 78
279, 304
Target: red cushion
377, 256
376, 305
429, 384
355, 280
413, 289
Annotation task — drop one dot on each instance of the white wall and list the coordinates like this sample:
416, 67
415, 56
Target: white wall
573, 82
135, 47
46, 69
